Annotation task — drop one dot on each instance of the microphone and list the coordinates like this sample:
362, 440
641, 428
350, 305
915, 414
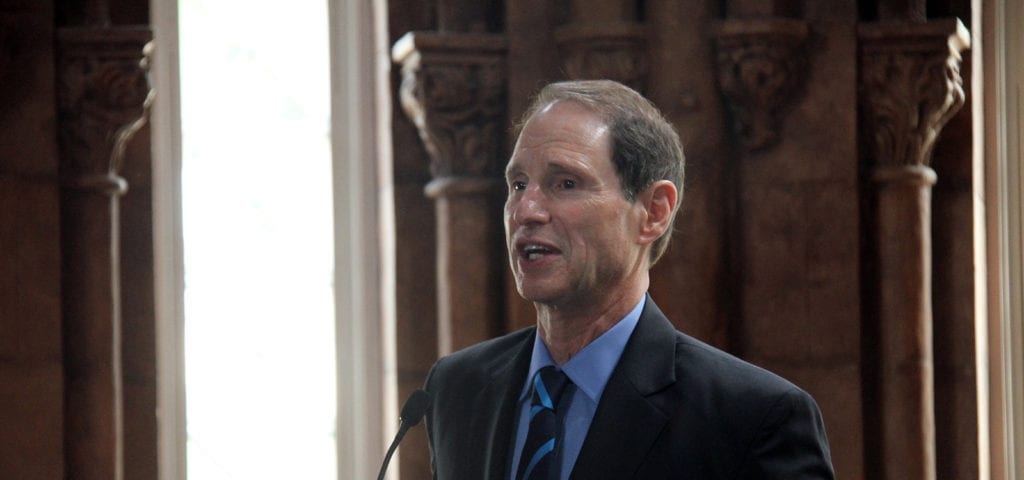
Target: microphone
412, 412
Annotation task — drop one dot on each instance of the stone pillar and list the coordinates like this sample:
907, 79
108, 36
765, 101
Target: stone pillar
453, 89
603, 39
910, 86
761, 66
103, 95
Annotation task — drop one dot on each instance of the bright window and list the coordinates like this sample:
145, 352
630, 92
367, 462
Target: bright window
258, 243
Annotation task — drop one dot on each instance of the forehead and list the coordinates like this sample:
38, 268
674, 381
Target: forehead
563, 130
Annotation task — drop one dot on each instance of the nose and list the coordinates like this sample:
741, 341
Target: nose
528, 207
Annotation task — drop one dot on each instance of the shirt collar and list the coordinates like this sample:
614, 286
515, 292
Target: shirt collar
592, 366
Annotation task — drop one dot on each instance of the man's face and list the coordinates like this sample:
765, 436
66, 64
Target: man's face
570, 232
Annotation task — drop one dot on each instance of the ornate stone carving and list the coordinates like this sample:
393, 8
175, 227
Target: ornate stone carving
614, 51
910, 86
761, 65
453, 90
104, 95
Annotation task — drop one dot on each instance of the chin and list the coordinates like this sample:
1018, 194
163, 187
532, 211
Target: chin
536, 294
530, 292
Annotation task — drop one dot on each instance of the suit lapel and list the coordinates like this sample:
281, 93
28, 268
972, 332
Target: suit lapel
503, 393
627, 420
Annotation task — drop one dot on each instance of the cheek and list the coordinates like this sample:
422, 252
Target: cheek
605, 236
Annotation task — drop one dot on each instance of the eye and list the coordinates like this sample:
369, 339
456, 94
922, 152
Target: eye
567, 184
517, 185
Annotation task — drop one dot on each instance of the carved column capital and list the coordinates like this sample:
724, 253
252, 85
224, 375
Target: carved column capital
103, 99
761, 65
453, 89
614, 51
910, 86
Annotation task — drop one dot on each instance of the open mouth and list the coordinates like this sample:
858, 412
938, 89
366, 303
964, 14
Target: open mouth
534, 251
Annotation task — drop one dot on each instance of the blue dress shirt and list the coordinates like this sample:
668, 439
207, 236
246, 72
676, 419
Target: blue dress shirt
589, 371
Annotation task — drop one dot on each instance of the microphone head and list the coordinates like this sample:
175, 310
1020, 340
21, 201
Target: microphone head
414, 408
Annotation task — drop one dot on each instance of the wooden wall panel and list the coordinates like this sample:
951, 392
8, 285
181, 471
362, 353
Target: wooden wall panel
691, 282
31, 374
799, 237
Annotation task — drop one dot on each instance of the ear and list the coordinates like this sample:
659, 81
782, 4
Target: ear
659, 202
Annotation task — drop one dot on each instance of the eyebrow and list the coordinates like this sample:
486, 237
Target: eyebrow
511, 169
559, 168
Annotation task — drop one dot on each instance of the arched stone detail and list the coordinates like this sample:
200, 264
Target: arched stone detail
761, 65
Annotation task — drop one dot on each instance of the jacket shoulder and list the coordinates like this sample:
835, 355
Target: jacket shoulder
717, 370
477, 364
763, 425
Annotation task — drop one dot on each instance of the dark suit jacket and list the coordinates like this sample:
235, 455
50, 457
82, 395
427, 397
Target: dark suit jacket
673, 408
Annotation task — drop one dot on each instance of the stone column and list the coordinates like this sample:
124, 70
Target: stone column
910, 86
603, 39
103, 95
453, 89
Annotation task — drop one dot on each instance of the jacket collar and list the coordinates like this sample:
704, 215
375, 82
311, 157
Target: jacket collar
507, 377
647, 367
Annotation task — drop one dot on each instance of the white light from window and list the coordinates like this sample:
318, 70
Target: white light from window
256, 183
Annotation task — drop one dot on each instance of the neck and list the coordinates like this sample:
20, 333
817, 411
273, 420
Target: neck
566, 330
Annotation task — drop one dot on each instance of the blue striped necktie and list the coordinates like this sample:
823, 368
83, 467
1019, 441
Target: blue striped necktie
537, 460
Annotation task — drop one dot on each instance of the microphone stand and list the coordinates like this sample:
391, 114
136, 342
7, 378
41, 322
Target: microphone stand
412, 412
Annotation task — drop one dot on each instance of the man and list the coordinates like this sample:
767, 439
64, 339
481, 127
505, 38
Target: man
604, 386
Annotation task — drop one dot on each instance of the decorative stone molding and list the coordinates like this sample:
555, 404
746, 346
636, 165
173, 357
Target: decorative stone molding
761, 65
615, 51
910, 86
453, 89
104, 97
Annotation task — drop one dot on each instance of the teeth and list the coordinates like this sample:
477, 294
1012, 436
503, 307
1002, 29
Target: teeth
534, 252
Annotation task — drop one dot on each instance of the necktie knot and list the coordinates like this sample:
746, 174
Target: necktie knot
548, 385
